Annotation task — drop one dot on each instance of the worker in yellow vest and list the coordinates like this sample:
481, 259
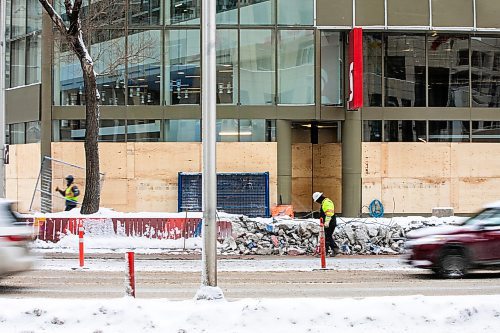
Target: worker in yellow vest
327, 213
71, 193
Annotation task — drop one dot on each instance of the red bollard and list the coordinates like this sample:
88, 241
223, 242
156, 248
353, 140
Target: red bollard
80, 239
131, 274
322, 248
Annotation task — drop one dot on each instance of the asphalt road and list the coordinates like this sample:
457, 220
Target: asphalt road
240, 284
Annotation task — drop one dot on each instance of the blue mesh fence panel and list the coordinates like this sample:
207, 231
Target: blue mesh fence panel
237, 193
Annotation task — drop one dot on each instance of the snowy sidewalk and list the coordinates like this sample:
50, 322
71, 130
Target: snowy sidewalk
458, 314
233, 265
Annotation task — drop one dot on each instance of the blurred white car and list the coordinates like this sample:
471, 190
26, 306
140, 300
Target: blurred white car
15, 256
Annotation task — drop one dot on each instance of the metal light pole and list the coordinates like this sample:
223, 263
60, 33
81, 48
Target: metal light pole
3, 16
209, 175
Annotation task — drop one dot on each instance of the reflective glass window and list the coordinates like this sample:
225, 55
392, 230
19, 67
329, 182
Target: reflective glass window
372, 69
252, 130
182, 130
18, 18
68, 89
112, 130
34, 16
183, 12
485, 71
227, 11
71, 130
143, 130
8, 18
7, 81
18, 133
485, 131
296, 66
404, 70
18, 63
448, 61
405, 130
372, 131
107, 13
295, 12
182, 65
33, 58
227, 130
449, 131
32, 132
331, 68
257, 67
257, 12
145, 12
227, 66
144, 67
109, 54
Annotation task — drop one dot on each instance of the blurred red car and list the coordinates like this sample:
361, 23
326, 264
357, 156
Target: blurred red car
15, 256
451, 251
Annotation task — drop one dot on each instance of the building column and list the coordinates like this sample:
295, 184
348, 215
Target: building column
46, 112
351, 164
284, 138
46, 87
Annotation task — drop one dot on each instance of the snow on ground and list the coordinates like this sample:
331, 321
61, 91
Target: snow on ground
103, 241
460, 314
266, 264
375, 314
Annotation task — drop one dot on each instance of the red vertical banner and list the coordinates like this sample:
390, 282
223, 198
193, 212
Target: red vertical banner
355, 100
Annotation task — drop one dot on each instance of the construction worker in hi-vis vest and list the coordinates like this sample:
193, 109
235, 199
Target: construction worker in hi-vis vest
327, 213
71, 193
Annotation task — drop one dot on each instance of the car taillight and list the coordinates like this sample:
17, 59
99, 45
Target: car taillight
15, 238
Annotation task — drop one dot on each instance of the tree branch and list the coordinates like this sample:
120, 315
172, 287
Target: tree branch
55, 17
77, 6
69, 7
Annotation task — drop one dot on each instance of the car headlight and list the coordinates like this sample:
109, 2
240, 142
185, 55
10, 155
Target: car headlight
434, 239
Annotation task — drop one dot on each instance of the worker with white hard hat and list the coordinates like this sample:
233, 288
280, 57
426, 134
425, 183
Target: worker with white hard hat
327, 213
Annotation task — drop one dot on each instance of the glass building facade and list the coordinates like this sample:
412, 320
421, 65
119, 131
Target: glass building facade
151, 54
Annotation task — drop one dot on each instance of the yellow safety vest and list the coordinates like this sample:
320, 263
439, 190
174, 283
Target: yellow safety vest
328, 207
69, 195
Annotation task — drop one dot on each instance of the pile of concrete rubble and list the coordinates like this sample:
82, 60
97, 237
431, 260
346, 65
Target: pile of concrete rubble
296, 237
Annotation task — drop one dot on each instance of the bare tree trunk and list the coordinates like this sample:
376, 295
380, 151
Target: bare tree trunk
92, 196
73, 36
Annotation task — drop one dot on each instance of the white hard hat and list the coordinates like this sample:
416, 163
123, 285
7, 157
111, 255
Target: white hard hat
316, 195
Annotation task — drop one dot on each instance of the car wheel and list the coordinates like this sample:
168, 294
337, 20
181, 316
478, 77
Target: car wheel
453, 265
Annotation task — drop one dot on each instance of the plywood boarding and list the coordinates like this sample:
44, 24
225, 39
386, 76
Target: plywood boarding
473, 193
143, 176
302, 160
371, 159
165, 159
417, 159
29, 165
418, 176
332, 188
301, 194
476, 160
371, 190
414, 195
115, 167
326, 161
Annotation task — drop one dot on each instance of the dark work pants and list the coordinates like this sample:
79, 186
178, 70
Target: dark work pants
70, 205
329, 242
